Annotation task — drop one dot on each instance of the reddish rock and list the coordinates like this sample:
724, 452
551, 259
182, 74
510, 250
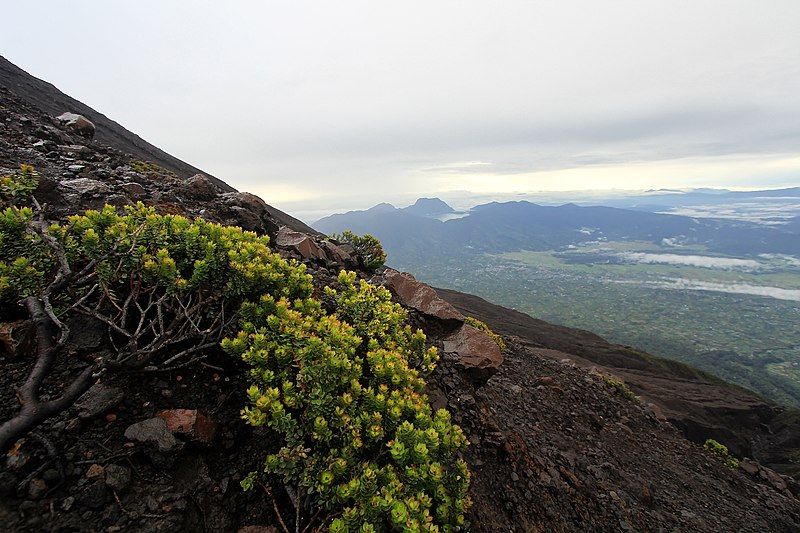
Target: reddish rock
419, 296
337, 254
477, 353
191, 423
300, 243
16, 338
749, 466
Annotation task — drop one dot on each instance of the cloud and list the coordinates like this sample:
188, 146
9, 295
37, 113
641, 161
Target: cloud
366, 97
704, 261
731, 288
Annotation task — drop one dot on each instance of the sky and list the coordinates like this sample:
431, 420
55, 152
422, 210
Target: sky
329, 106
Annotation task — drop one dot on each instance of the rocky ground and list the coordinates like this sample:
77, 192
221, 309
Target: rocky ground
554, 446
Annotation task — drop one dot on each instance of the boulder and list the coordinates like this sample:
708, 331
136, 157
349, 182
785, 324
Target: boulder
337, 254
190, 423
419, 296
477, 353
299, 242
77, 124
154, 431
86, 186
98, 400
199, 187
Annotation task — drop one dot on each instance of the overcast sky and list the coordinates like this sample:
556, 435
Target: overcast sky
335, 105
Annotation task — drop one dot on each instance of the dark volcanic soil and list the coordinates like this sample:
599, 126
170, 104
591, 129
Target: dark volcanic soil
700, 405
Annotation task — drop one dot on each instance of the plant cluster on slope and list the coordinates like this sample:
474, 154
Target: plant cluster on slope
344, 391
721, 451
367, 247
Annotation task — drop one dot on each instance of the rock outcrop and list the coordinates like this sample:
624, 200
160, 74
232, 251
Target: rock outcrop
475, 351
416, 295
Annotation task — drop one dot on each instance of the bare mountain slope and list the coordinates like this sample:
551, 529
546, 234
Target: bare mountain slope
47, 98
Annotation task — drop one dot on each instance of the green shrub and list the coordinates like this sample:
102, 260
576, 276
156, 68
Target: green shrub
367, 247
721, 451
483, 326
344, 394
162, 283
19, 185
620, 386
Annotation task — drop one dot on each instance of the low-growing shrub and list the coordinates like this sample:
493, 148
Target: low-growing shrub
367, 247
483, 326
620, 386
343, 392
165, 289
721, 451
19, 185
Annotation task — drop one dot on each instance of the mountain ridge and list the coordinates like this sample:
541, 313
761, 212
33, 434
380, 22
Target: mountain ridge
553, 446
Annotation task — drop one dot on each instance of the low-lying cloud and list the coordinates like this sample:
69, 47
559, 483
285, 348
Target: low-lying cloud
704, 261
730, 288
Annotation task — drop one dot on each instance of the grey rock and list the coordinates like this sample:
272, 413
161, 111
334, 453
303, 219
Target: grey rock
118, 477
98, 400
86, 186
154, 431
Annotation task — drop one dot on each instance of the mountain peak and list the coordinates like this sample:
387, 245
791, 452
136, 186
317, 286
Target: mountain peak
429, 207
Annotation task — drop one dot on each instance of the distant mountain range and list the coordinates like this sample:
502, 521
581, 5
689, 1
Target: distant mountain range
510, 226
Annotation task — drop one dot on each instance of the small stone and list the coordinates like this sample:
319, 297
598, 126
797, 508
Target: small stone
153, 431
51, 476
98, 400
76, 168
118, 477
94, 496
36, 488
94, 471
191, 423
67, 504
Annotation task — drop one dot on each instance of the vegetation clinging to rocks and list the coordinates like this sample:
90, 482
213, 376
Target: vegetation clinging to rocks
342, 390
366, 246
483, 326
721, 451
344, 393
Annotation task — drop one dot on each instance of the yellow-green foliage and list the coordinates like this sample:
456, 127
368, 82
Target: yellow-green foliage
341, 389
721, 451
145, 167
478, 324
620, 386
139, 248
367, 247
18, 185
343, 392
